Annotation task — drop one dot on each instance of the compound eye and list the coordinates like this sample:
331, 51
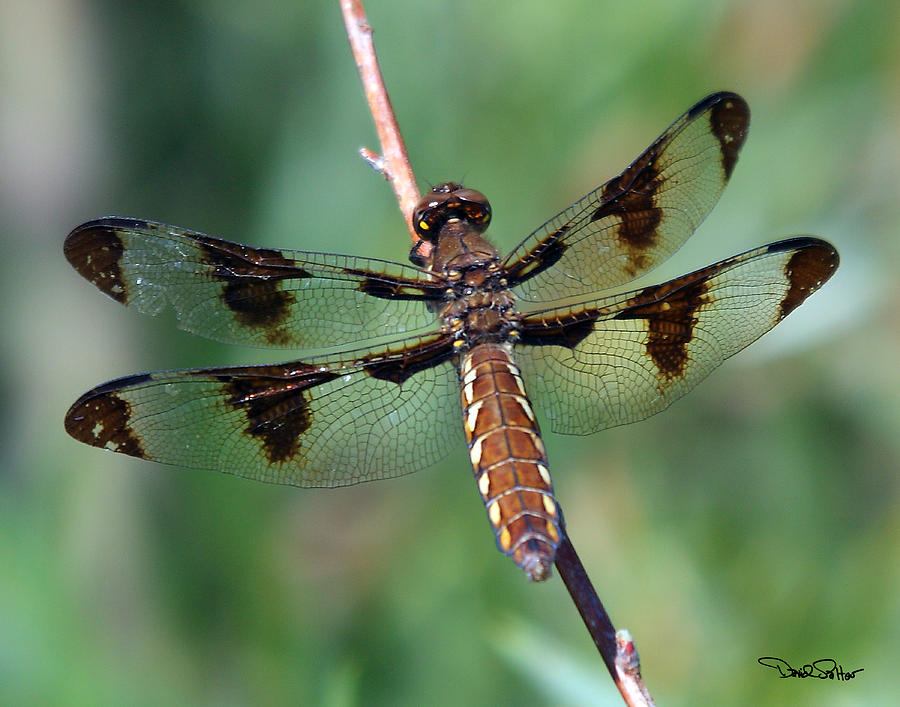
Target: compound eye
425, 223
475, 206
478, 213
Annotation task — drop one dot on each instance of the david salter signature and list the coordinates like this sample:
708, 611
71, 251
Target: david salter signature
824, 669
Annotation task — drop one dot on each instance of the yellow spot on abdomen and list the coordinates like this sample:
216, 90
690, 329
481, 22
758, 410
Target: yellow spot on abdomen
549, 505
505, 539
472, 415
475, 453
552, 532
494, 513
545, 474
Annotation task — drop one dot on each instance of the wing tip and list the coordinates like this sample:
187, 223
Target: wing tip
95, 250
717, 98
86, 234
101, 419
811, 264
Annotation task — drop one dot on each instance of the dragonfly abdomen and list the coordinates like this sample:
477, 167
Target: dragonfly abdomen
509, 459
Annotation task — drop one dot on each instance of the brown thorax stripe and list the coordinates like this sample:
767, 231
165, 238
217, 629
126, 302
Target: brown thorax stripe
509, 459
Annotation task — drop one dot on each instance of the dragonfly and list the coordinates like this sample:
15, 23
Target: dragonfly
403, 364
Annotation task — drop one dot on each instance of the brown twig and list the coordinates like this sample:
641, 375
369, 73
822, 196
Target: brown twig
617, 649
393, 162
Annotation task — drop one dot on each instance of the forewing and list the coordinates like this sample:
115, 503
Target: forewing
636, 220
314, 423
255, 296
621, 359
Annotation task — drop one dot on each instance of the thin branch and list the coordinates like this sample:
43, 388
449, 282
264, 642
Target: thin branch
628, 666
394, 162
617, 649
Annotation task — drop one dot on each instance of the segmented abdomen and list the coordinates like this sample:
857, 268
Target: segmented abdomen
509, 459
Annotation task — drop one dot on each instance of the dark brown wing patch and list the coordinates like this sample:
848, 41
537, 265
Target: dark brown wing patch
237, 260
566, 331
671, 317
277, 408
384, 286
102, 419
806, 270
95, 252
730, 121
399, 366
253, 291
261, 304
544, 255
630, 197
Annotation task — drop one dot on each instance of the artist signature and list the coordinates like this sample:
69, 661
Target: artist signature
824, 669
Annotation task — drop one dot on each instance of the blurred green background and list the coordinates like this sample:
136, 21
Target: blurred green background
758, 516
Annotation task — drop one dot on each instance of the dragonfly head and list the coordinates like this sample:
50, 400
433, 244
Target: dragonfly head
447, 203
